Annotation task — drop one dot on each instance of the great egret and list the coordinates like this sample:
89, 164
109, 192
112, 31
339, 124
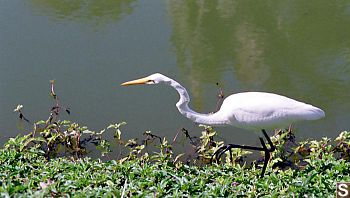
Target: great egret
248, 110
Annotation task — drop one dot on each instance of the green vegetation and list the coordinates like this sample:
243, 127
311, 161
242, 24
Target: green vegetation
308, 168
51, 161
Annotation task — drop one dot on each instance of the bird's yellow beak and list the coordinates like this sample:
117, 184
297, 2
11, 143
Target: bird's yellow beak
136, 82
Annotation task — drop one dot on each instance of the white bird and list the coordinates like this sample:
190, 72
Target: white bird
248, 110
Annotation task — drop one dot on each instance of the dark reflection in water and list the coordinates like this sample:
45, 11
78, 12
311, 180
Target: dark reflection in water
295, 48
91, 11
300, 49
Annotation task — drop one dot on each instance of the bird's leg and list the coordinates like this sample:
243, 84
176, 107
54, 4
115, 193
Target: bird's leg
272, 147
267, 151
227, 147
219, 152
267, 156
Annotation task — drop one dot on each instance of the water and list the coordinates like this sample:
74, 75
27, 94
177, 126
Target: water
300, 49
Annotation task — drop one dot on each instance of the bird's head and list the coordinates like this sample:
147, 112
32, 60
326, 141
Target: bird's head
151, 79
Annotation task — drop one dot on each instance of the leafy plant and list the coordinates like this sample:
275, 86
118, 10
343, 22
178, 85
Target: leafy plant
50, 161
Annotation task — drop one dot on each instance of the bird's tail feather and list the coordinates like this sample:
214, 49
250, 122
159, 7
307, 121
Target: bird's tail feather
314, 113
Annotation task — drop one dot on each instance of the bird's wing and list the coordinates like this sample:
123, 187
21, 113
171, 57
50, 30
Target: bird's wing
258, 110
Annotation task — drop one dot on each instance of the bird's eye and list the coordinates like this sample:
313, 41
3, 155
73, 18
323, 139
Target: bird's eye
150, 81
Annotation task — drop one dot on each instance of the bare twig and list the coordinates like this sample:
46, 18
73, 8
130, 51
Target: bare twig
220, 97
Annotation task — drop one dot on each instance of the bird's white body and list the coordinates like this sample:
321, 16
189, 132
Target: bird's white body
260, 110
247, 110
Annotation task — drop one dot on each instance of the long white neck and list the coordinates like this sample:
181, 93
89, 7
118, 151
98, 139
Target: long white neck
182, 106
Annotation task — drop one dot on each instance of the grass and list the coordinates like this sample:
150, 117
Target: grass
27, 171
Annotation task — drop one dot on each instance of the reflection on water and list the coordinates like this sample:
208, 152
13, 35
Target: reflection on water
259, 41
299, 49
91, 11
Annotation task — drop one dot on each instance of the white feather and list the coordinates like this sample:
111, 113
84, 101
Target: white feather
247, 110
